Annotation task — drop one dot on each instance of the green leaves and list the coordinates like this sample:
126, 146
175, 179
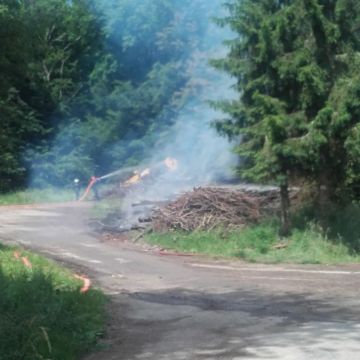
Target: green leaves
90, 86
48, 49
296, 66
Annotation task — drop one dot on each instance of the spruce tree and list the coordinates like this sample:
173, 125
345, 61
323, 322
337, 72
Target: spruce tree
290, 59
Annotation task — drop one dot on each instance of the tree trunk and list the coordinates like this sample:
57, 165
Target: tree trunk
285, 210
323, 197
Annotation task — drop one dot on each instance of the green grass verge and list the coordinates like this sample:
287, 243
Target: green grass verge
42, 313
259, 244
32, 196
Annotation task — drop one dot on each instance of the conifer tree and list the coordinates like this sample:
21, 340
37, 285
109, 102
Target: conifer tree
290, 59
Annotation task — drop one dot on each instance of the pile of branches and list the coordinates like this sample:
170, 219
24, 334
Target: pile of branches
208, 208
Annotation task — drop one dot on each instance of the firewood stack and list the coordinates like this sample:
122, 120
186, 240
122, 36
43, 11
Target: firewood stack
206, 208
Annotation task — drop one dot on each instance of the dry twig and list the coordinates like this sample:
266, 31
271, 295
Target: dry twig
207, 208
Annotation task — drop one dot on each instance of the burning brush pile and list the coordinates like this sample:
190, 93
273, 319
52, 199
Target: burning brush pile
135, 180
203, 208
206, 208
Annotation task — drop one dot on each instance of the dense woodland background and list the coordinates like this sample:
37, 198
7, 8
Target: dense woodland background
89, 86
297, 64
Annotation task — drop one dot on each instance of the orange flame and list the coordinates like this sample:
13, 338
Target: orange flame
136, 178
133, 180
26, 262
170, 163
87, 283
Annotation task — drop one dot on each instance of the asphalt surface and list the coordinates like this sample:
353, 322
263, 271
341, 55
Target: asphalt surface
173, 307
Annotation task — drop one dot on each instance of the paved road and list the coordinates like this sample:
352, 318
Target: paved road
190, 308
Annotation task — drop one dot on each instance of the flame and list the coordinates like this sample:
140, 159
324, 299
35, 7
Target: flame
133, 180
136, 178
171, 163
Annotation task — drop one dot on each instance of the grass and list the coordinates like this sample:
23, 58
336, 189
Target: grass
32, 196
259, 244
42, 313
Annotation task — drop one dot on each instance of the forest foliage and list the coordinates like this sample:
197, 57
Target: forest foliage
87, 86
90, 86
297, 68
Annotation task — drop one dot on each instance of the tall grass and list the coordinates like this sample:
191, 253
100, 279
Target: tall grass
338, 222
32, 196
42, 313
261, 243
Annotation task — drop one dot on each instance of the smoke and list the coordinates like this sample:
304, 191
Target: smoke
97, 138
204, 157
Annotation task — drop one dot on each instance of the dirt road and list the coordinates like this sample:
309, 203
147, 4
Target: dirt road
190, 308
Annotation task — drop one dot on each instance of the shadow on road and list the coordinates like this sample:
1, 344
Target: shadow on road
188, 324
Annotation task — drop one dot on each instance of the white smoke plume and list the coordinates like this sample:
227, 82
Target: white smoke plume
204, 157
